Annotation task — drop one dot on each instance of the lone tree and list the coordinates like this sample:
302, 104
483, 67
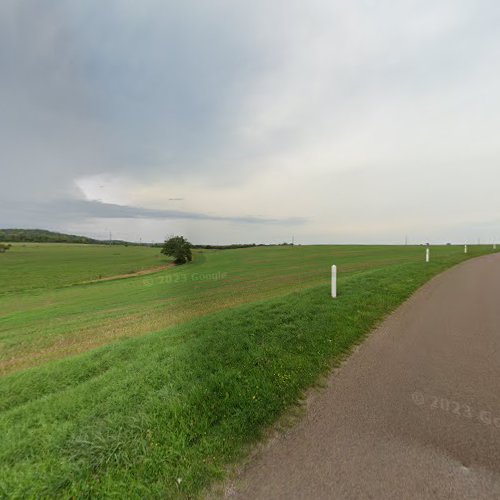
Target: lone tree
179, 248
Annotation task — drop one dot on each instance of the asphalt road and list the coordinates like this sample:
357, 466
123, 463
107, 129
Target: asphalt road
413, 413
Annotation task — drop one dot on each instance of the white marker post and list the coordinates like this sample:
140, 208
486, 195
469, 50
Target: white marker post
427, 255
494, 246
334, 281
465, 248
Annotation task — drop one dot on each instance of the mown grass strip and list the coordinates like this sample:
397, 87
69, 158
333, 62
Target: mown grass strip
58, 321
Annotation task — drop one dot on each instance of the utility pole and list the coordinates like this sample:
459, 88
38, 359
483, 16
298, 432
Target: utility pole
406, 240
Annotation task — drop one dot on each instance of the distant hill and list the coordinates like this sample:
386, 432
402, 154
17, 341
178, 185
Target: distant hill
44, 236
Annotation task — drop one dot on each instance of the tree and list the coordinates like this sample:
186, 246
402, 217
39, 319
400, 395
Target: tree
179, 248
4, 247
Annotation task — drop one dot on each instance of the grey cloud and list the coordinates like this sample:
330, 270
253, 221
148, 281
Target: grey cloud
73, 209
156, 89
96, 89
218, 91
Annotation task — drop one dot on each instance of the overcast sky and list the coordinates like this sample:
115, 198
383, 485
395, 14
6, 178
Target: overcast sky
333, 121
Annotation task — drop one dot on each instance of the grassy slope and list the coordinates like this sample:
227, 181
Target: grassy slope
132, 418
28, 266
50, 323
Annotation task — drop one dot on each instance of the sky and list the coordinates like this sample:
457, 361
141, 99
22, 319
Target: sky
325, 121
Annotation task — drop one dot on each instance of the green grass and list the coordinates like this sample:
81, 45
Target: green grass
52, 322
161, 415
31, 266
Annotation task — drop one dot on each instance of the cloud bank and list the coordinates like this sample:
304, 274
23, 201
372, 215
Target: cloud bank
333, 121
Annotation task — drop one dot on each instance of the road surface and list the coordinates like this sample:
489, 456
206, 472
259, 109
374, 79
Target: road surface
413, 413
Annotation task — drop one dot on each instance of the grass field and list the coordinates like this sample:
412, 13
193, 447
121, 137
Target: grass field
222, 348
32, 266
43, 319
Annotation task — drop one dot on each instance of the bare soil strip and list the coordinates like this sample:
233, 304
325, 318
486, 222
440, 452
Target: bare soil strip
129, 275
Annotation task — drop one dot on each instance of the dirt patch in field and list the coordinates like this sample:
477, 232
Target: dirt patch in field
130, 275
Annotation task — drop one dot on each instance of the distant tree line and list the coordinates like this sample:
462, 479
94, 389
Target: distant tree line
226, 247
44, 236
41, 236
240, 245
230, 247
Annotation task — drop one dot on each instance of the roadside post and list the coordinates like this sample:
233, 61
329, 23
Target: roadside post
465, 248
334, 281
427, 255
